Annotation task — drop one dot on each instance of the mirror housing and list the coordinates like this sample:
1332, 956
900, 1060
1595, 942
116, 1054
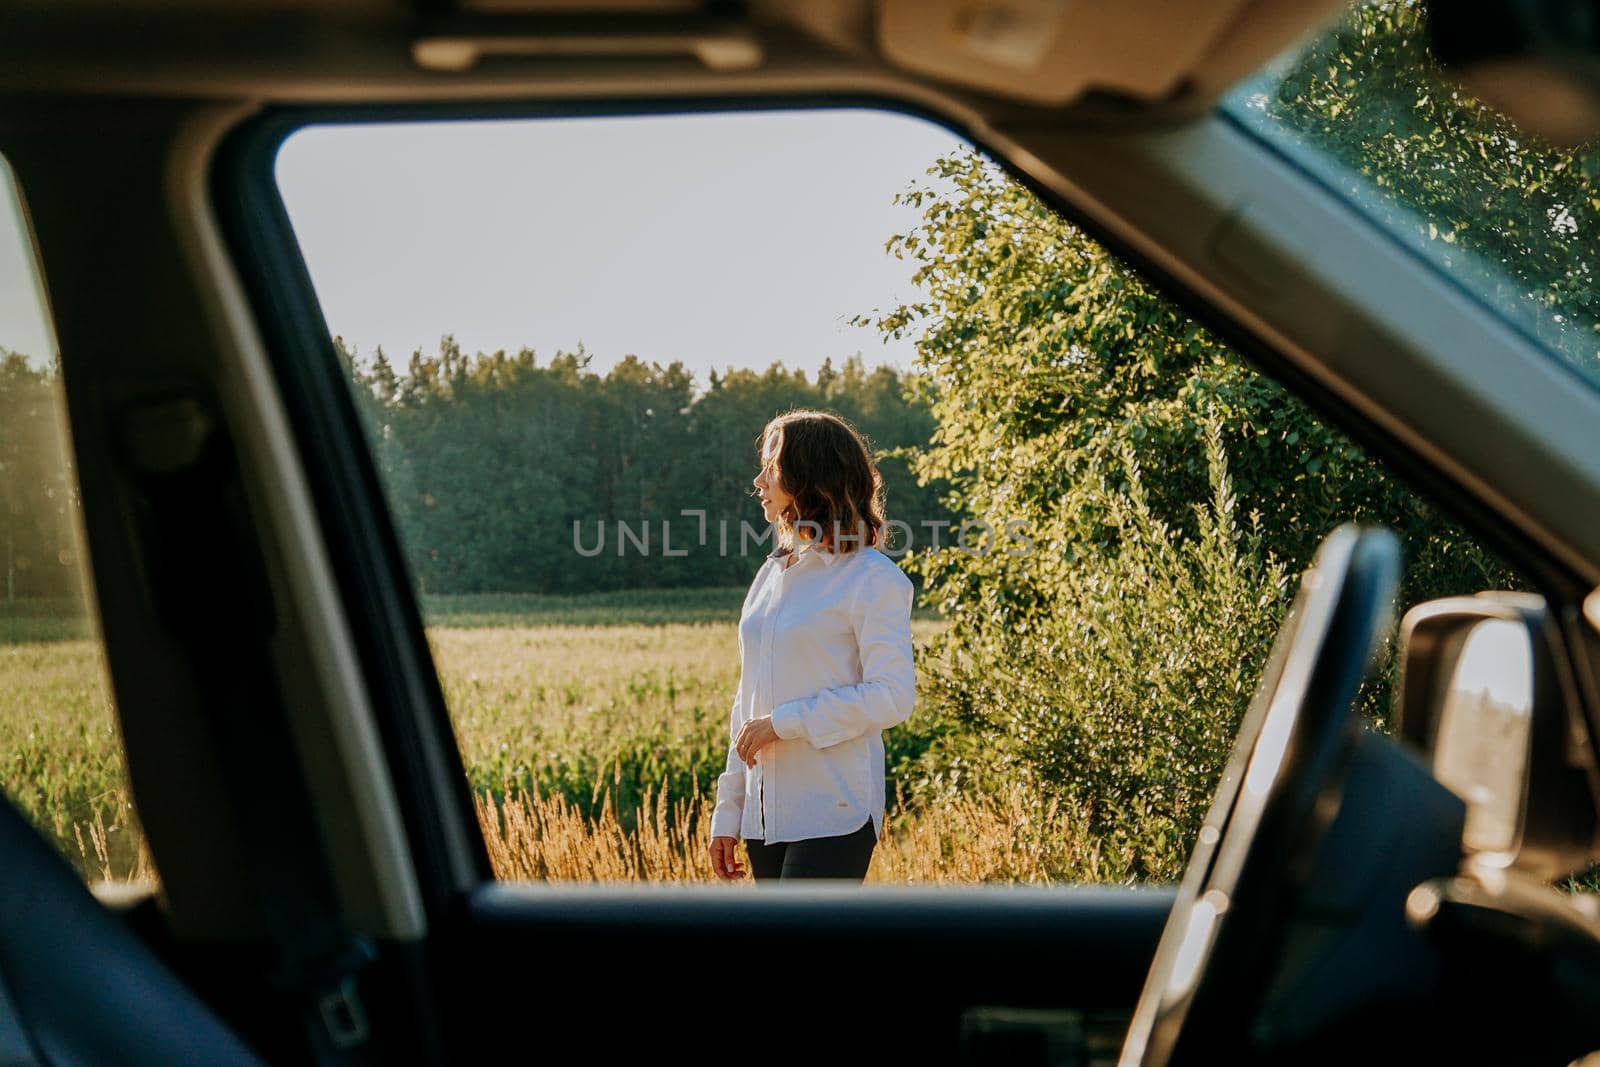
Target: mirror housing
1485, 692
1537, 61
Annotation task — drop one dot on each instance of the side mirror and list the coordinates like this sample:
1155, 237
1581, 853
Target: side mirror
1485, 693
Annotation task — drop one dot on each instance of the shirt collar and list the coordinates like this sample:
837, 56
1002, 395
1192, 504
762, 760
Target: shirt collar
808, 547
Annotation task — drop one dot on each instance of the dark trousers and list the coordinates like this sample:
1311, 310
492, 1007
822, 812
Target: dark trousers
846, 856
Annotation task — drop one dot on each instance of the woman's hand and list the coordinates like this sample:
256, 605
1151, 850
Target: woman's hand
725, 858
753, 736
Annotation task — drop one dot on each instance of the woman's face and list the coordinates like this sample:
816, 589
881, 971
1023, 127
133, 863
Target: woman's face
773, 499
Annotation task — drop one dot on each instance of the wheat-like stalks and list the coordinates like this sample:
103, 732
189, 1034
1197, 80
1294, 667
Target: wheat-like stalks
1010, 838
533, 837
98, 851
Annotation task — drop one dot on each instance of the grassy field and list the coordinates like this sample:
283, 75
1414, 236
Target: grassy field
63, 758
591, 727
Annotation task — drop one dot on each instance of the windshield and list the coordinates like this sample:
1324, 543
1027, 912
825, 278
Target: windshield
1509, 217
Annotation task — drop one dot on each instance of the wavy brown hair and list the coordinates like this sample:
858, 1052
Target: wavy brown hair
826, 465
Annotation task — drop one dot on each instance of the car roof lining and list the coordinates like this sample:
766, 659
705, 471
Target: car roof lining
1143, 61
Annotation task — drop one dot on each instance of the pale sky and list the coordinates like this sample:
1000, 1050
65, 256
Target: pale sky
23, 326
718, 240
1497, 658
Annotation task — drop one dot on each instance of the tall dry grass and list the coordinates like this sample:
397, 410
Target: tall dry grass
98, 860
971, 840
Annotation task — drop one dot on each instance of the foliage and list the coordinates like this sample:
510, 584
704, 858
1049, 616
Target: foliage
1510, 216
1047, 362
1119, 697
38, 491
60, 750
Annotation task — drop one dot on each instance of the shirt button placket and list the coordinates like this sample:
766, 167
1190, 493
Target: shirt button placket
767, 627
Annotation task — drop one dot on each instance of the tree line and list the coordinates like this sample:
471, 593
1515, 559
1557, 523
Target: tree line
508, 475
38, 490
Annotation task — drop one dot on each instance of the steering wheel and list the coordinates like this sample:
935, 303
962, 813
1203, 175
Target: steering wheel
1279, 793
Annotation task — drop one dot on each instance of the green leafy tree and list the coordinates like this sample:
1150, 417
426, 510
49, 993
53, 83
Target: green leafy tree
1109, 655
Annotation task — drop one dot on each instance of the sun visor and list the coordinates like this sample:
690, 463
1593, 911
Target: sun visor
1052, 52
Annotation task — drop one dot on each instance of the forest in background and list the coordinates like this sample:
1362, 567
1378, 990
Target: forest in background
38, 489
490, 460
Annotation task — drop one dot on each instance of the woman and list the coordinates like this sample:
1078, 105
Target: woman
825, 664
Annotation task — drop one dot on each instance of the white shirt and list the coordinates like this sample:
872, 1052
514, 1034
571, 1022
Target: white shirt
825, 649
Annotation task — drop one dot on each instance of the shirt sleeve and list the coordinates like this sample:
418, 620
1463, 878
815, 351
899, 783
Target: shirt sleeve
888, 688
728, 814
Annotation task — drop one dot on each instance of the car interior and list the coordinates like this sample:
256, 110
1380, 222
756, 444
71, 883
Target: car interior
325, 895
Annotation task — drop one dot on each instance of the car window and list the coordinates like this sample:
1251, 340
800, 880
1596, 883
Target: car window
60, 750
565, 337
1506, 215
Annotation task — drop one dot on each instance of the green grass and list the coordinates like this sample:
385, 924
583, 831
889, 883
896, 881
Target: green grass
25, 621
60, 753
644, 607
640, 607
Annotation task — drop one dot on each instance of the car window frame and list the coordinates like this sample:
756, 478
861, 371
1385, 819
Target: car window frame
375, 582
